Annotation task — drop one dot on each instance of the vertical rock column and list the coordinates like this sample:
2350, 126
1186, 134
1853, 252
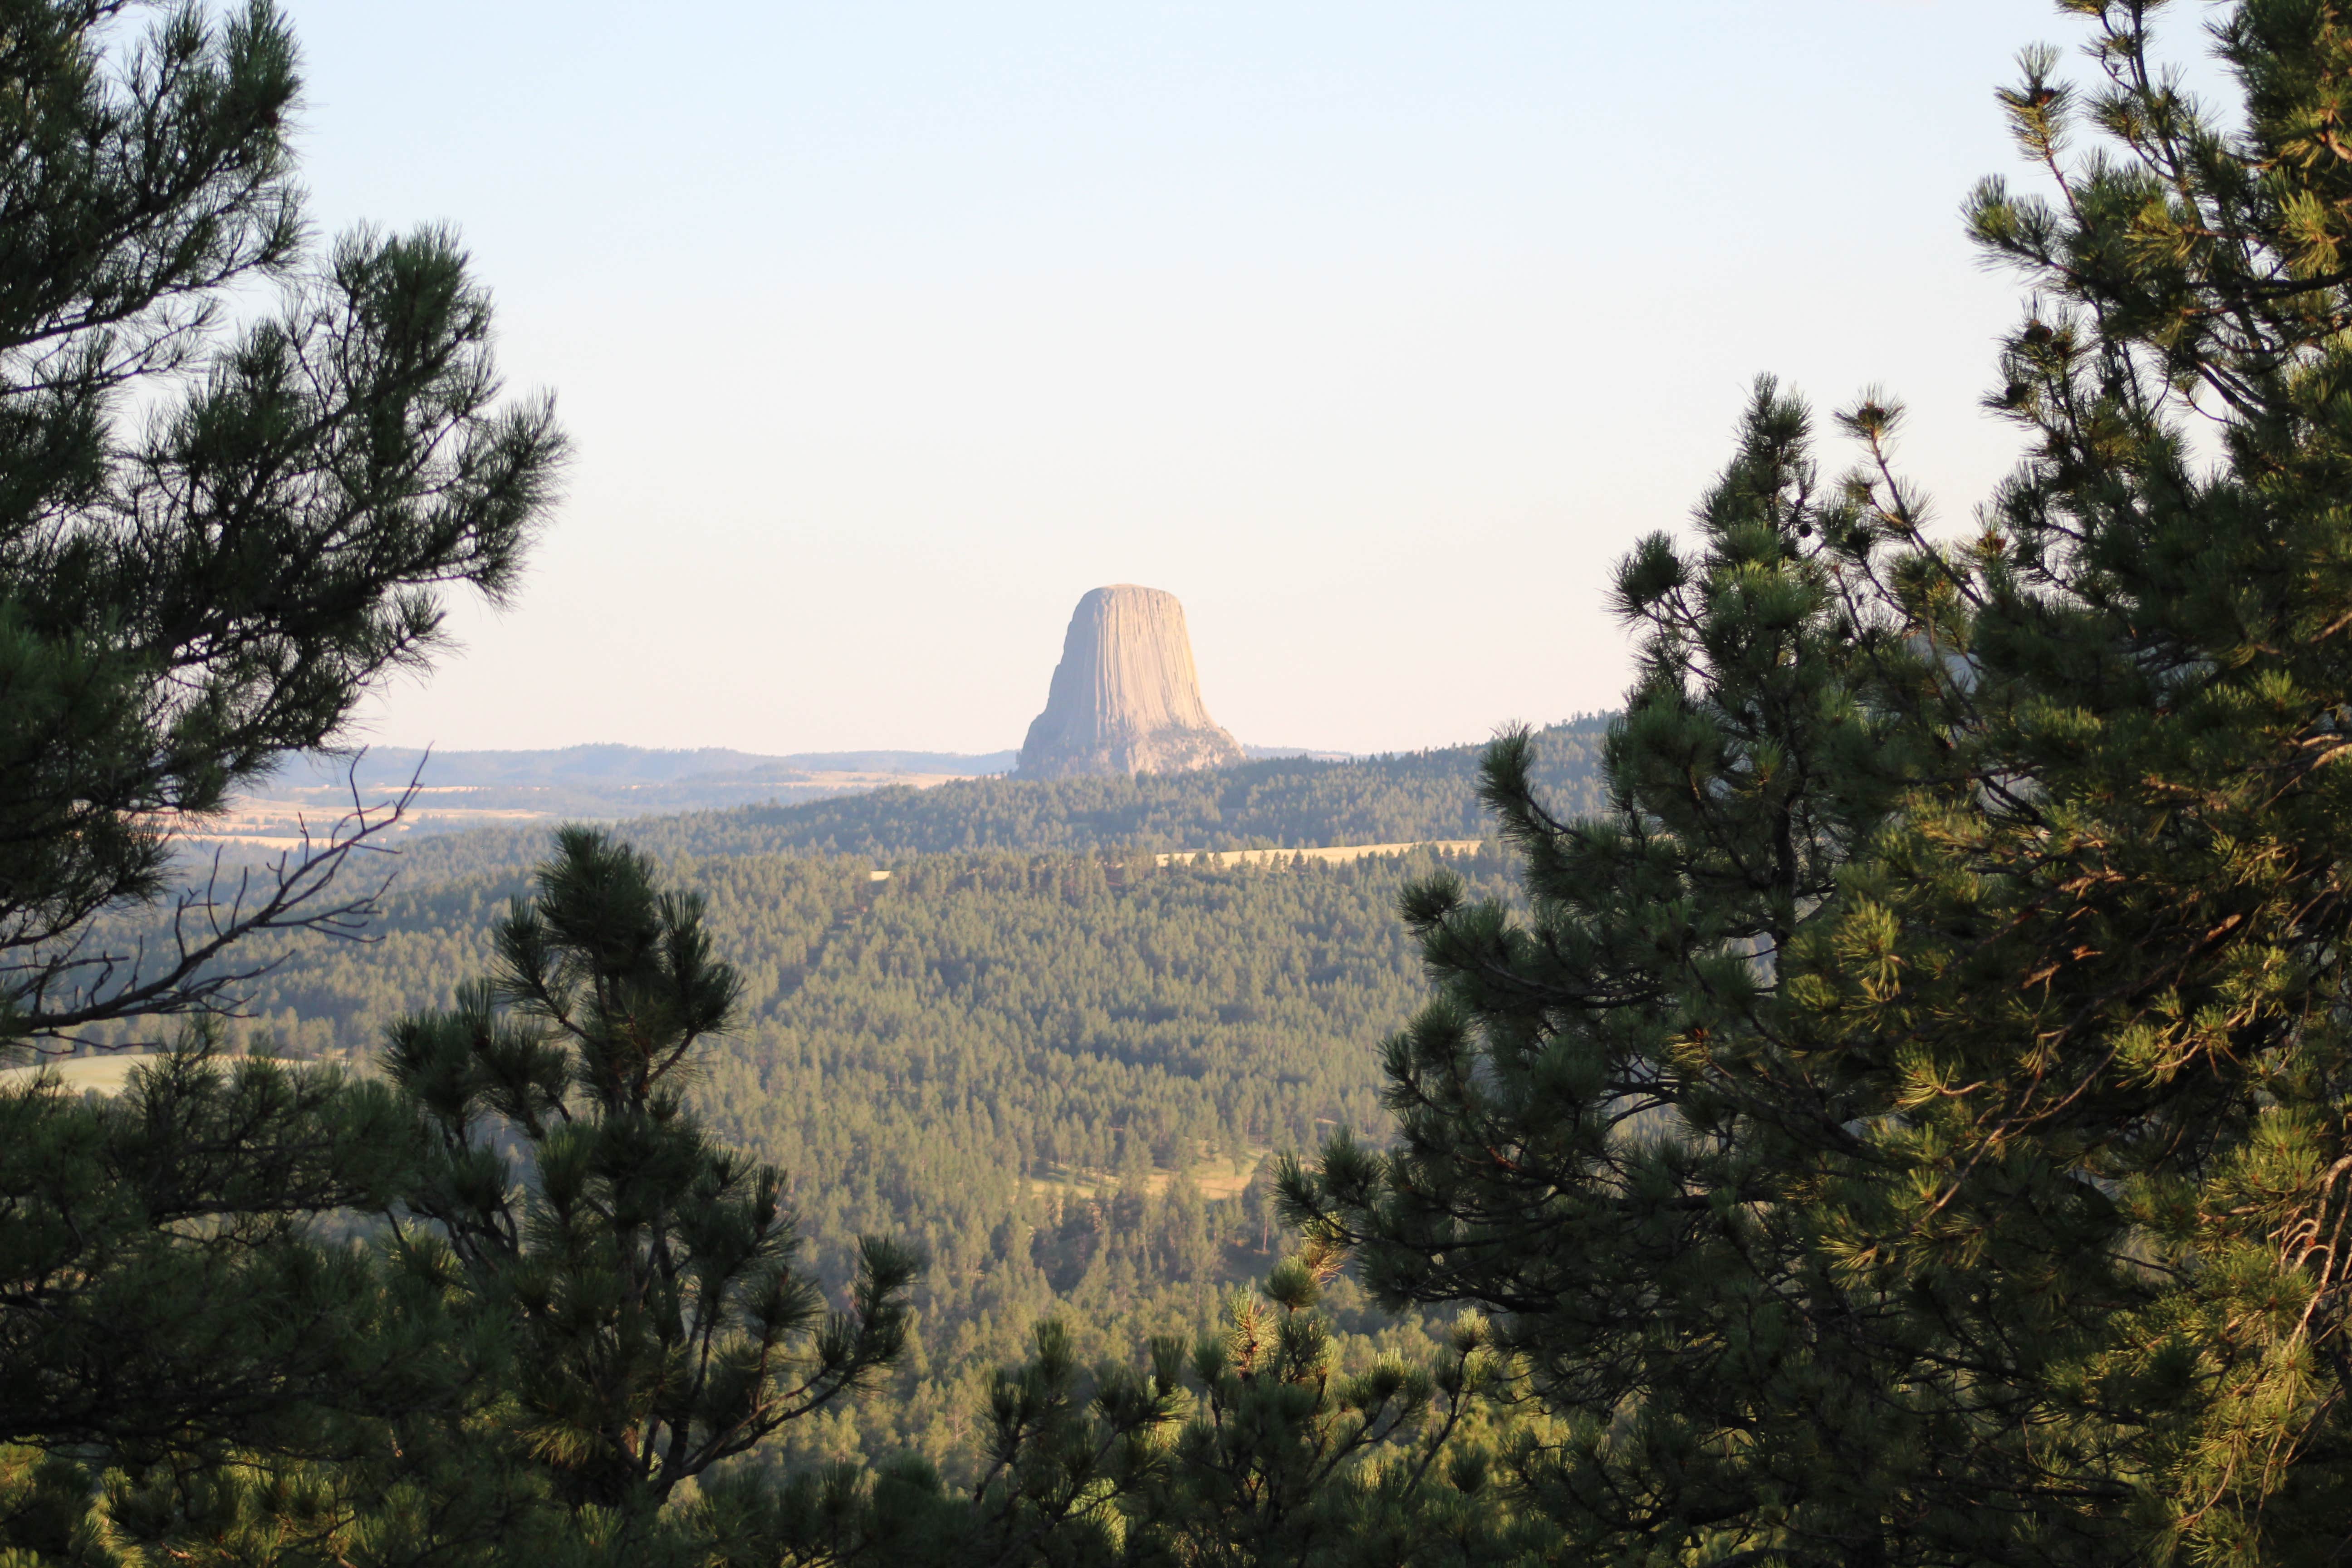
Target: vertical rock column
1125, 698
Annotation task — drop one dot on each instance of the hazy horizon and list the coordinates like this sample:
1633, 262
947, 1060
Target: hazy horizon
1375, 333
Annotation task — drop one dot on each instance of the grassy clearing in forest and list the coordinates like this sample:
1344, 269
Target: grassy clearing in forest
107, 1075
1215, 1179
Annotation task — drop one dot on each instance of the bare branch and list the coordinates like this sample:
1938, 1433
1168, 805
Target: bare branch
57, 996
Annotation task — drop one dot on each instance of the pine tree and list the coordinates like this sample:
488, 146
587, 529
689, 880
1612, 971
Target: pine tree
221, 523
215, 535
1911, 1124
659, 1323
173, 1322
1248, 1446
1600, 1137
1284, 1457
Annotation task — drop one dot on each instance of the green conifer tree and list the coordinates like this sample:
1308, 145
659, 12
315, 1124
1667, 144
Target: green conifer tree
1285, 1457
218, 531
659, 1323
1911, 1125
199, 579
1250, 1445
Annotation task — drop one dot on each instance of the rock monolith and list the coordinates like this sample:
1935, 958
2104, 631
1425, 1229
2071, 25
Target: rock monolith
1125, 698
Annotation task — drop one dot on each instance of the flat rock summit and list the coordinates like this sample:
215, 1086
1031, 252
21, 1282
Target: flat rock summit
1125, 698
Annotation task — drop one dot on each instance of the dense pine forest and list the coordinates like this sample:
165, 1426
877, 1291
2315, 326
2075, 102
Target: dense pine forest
1063, 1077
1060, 1069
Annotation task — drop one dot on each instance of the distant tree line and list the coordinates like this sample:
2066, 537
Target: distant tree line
1285, 803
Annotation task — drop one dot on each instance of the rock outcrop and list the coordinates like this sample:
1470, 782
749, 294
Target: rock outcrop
1125, 698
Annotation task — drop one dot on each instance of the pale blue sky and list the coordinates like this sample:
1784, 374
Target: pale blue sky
1374, 332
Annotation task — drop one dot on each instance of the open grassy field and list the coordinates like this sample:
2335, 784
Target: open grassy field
107, 1075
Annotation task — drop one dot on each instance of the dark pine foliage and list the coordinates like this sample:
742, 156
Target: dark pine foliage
647, 1270
1910, 1123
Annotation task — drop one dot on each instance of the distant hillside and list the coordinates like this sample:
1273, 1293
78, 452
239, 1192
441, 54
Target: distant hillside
597, 767
1276, 803
459, 791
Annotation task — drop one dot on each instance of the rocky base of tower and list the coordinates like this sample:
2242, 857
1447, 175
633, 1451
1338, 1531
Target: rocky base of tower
1161, 751
1125, 699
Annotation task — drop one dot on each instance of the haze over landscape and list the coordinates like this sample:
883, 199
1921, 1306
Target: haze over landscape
1375, 333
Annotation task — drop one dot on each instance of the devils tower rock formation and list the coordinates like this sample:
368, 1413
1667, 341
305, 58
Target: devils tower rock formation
1125, 699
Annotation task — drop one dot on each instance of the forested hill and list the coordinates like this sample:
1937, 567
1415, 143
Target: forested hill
1062, 1079
1277, 803
1061, 1073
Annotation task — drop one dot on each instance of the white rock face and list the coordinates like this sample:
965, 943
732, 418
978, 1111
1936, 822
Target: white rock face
1125, 698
